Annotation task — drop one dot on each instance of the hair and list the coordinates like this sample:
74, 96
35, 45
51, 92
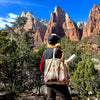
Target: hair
53, 39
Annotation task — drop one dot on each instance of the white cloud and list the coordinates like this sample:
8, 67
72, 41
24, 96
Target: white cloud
6, 20
10, 19
11, 15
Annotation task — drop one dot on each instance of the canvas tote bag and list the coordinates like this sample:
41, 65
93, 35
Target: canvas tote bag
56, 71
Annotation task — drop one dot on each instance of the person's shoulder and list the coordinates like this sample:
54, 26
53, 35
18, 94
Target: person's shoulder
44, 51
47, 50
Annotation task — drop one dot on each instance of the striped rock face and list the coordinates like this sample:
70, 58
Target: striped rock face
61, 24
93, 25
37, 25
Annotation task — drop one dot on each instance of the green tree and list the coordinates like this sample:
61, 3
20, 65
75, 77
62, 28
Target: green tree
19, 65
38, 80
3, 47
69, 48
7, 60
17, 60
85, 77
19, 22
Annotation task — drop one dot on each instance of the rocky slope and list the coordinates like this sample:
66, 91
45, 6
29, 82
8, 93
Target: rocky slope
93, 25
37, 25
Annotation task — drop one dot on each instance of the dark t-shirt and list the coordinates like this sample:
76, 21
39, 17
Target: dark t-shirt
48, 54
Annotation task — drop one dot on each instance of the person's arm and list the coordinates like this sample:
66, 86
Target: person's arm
41, 65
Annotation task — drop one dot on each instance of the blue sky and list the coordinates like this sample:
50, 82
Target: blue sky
78, 10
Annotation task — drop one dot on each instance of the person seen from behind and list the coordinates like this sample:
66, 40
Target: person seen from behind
53, 89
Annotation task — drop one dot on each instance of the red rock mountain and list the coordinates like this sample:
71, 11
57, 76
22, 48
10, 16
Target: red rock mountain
93, 25
37, 25
61, 24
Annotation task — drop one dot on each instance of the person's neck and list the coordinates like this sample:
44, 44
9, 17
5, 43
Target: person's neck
57, 45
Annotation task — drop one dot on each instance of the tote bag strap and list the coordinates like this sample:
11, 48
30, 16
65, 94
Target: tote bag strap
54, 51
49, 67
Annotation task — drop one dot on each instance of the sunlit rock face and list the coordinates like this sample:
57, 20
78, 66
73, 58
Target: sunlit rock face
37, 25
93, 25
61, 24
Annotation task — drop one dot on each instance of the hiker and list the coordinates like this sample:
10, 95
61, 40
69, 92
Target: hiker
53, 89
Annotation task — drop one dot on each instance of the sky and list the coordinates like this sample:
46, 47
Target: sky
78, 10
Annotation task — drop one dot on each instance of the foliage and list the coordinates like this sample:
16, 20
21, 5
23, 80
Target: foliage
85, 77
18, 62
20, 22
69, 48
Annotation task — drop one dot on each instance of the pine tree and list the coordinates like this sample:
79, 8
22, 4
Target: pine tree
85, 77
18, 61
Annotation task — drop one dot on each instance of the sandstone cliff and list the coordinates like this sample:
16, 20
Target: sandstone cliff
37, 25
61, 24
93, 25
71, 30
